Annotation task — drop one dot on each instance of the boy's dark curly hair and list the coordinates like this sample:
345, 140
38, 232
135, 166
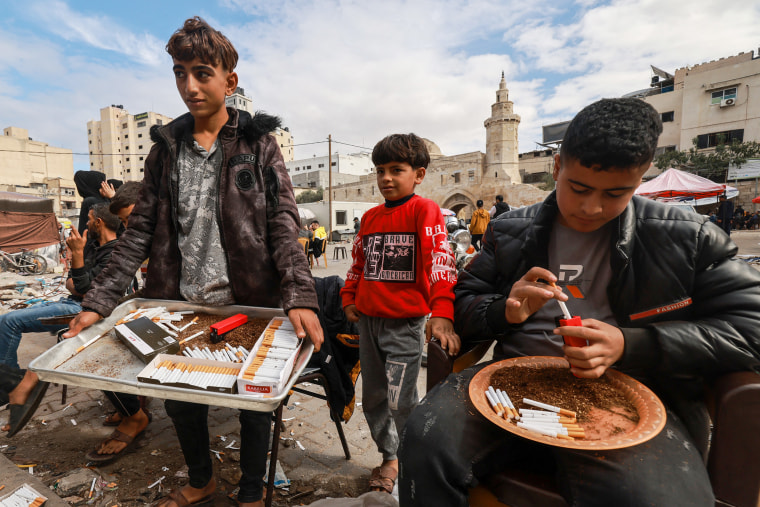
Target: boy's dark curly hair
408, 148
613, 133
197, 38
125, 196
101, 211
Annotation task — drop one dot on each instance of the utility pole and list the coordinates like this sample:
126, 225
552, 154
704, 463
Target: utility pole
329, 187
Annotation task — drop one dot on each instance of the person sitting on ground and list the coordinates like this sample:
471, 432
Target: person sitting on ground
218, 219
662, 299
403, 269
478, 224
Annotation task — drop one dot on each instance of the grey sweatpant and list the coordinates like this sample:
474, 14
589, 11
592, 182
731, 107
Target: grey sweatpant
390, 351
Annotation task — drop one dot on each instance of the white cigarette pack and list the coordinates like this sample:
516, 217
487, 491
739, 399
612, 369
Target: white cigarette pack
146, 375
285, 340
23, 495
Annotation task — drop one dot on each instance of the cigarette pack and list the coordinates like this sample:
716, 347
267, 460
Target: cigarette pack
146, 338
287, 345
23, 495
148, 373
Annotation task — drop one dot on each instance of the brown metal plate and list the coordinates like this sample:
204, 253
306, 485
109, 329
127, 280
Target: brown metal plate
651, 410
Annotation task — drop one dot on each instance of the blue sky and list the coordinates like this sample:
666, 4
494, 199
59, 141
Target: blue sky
358, 70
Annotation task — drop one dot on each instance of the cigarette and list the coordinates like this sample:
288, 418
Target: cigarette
494, 405
562, 305
512, 409
88, 343
189, 324
92, 486
502, 408
191, 337
551, 408
545, 431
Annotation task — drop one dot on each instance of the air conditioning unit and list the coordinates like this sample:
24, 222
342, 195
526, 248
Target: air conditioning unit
727, 102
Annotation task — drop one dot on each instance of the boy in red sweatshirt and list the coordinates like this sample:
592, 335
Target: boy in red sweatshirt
403, 269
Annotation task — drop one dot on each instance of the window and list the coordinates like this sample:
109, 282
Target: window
496, 174
471, 176
89, 131
129, 170
340, 217
140, 147
456, 177
141, 158
308, 167
127, 159
321, 165
90, 141
142, 170
124, 125
728, 93
159, 122
716, 138
139, 135
333, 164
126, 136
669, 116
126, 148
358, 191
141, 124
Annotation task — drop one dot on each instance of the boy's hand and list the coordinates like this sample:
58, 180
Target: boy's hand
352, 313
306, 323
605, 347
528, 295
443, 329
82, 321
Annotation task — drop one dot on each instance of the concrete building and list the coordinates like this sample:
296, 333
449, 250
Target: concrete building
457, 182
707, 102
36, 168
313, 172
119, 142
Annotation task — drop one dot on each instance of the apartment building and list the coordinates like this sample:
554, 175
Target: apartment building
36, 168
119, 142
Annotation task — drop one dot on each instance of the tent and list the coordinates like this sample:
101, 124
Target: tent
26, 221
673, 184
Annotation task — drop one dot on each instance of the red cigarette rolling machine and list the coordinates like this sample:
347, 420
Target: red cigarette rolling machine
219, 329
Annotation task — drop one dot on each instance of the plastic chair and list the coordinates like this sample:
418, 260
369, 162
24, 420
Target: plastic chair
734, 405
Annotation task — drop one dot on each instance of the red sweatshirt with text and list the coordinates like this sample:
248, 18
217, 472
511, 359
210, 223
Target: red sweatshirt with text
402, 265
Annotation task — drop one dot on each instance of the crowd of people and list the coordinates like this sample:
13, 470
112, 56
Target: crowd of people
216, 189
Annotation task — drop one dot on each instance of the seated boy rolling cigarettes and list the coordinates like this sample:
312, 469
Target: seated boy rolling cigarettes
662, 299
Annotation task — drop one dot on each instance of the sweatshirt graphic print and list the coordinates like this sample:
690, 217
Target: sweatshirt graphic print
402, 265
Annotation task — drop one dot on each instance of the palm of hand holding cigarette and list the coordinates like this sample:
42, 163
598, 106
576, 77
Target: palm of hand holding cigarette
605, 342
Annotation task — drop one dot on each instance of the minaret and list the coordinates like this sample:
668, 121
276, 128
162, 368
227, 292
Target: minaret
501, 138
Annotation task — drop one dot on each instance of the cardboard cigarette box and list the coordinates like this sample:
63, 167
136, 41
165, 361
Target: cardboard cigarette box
147, 372
274, 387
23, 495
146, 338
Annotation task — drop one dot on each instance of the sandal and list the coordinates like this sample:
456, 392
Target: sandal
383, 478
20, 414
179, 499
116, 435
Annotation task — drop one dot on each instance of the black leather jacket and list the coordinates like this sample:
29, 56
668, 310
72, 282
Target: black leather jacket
687, 308
258, 222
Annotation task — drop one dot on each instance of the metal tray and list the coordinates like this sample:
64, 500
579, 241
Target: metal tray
109, 365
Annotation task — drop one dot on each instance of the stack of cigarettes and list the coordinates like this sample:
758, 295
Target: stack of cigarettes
24, 497
196, 375
551, 421
277, 346
226, 354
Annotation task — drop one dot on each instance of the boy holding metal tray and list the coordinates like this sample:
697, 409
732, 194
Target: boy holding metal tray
662, 299
218, 219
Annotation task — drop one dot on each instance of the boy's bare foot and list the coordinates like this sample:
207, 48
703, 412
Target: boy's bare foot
383, 478
21, 392
190, 494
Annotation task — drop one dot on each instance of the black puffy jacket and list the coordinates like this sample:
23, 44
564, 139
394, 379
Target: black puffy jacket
687, 308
